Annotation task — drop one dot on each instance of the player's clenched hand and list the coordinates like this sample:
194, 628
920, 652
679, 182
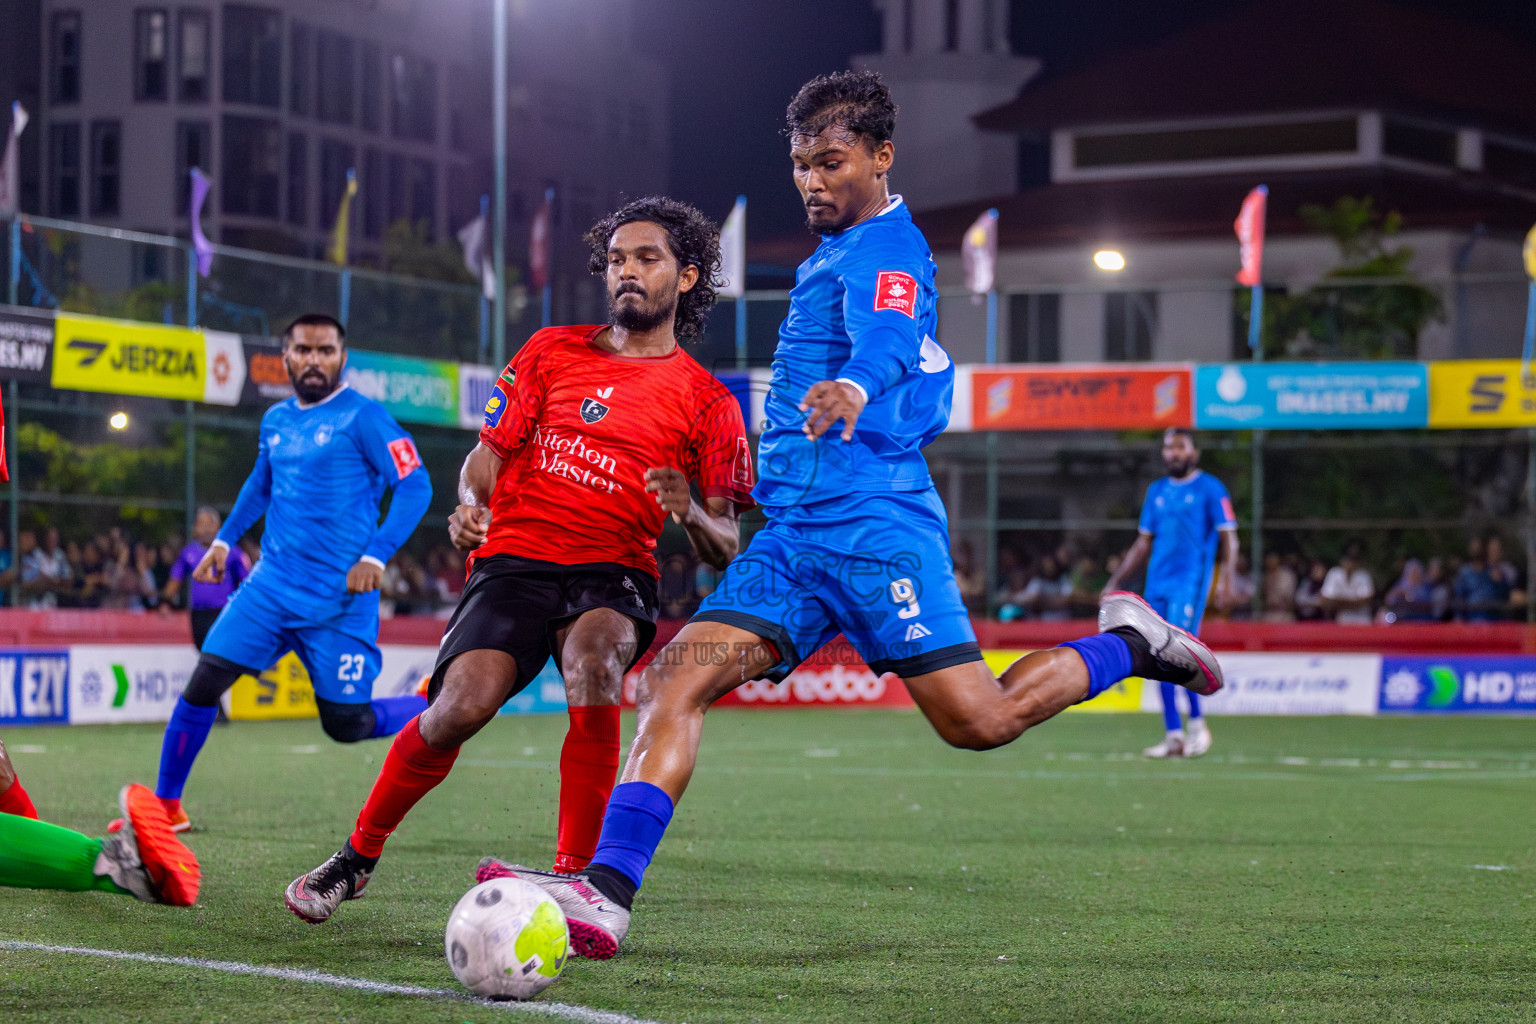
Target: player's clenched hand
210, 569
671, 489
363, 577
468, 526
826, 403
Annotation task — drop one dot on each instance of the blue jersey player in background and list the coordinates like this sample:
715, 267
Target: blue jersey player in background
1184, 515
324, 461
856, 540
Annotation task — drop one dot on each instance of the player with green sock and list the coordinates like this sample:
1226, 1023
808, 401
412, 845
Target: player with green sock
143, 858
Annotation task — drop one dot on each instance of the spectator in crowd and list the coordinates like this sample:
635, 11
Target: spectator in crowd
1242, 589
204, 600
1438, 579
1279, 601
7, 571
970, 578
1087, 583
1485, 582
1505, 576
40, 584
1348, 590
1047, 595
1309, 592
1010, 595
1411, 598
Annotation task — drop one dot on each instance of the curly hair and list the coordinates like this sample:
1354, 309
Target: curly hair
693, 238
855, 100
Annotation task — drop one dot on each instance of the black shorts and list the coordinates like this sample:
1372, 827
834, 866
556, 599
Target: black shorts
517, 605
202, 621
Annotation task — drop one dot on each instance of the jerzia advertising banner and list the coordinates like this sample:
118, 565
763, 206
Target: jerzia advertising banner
120, 357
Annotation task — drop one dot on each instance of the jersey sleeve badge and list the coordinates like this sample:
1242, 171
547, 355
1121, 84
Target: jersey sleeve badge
402, 450
495, 407
896, 290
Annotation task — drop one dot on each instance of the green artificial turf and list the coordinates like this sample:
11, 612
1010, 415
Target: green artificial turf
847, 866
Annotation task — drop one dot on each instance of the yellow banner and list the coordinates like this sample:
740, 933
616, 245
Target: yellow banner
283, 691
1123, 696
121, 358
1481, 393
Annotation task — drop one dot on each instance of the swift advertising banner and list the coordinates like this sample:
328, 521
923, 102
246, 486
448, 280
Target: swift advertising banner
1459, 685
26, 347
1311, 396
1481, 393
1079, 398
413, 390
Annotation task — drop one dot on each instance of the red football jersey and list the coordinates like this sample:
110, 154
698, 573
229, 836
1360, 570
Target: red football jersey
578, 427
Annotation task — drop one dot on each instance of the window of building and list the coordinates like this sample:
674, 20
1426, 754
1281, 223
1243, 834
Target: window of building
64, 169
252, 152
192, 56
298, 179
1130, 323
412, 97
193, 142
335, 160
64, 45
951, 25
1034, 328
301, 67
1419, 142
1232, 142
373, 190
253, 55
1513, 164
106, 168
412, 191
371, 112
151, 52
336, 70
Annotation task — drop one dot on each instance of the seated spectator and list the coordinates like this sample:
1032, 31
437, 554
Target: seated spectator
1437, 578
90, 580
1047, 595
1309, 593
44, 572
1504, 574
1485, 583
1279, 601
1087, 584
1348, 589
7, 570
1242, 589
1010, 594
969, 577
1411, 598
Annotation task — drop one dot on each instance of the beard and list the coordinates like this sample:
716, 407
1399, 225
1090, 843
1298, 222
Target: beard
311, 387
1181, 469
642, 316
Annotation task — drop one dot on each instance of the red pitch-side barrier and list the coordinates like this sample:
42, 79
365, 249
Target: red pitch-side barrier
61, 627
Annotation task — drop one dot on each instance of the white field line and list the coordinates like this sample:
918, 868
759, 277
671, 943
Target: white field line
563, 1011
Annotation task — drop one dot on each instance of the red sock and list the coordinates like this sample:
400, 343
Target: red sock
15, 801
411, 770
588, 763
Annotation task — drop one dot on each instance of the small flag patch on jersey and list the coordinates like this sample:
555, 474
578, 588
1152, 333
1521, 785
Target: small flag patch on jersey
898, 291
403, 451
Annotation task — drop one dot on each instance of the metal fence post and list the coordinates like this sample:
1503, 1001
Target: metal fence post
992, 546
12, 441
345, 302
191, 287
13, 286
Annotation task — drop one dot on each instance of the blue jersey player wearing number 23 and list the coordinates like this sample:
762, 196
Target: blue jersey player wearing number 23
324, 461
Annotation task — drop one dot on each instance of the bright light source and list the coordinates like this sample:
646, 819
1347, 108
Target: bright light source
118, 421
1108, 259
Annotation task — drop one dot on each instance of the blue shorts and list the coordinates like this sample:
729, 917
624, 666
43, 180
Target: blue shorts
1183, 607
874, 567
255, 629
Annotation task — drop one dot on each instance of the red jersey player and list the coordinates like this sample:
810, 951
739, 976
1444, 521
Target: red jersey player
591, 438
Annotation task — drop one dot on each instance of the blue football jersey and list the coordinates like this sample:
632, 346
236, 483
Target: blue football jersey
863, 308
321, 473
1183, 518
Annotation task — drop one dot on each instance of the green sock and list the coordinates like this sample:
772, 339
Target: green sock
37, 855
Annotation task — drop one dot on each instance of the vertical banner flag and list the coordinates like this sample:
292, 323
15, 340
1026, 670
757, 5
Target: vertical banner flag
1529, 349
10, 176
538, 242
337, 251
473, 237
1250, 237
979, 253
733, 252
200, 243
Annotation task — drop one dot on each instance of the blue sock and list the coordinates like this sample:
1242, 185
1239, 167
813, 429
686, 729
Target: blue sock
391, 713
184, 736
1171, 707
1194, 704
637, 817
1108, 658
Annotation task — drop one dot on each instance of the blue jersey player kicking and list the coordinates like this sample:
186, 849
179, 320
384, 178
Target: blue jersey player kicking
324, 461
1184, 514
856, 540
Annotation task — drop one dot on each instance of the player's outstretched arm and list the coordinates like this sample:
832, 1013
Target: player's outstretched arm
1226, 566
251, 505
471, 521
829, 401
1134, 558
712, 526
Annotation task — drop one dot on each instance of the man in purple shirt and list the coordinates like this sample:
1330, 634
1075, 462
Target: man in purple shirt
207, 599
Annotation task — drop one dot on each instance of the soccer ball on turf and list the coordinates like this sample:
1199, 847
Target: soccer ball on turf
507, 939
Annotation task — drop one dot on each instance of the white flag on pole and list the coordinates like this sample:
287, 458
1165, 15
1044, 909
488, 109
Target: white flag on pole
733, 252
10, 177
978, 253
477, 256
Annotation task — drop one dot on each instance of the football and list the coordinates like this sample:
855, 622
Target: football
506, 939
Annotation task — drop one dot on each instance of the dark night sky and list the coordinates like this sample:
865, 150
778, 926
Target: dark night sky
734, 67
